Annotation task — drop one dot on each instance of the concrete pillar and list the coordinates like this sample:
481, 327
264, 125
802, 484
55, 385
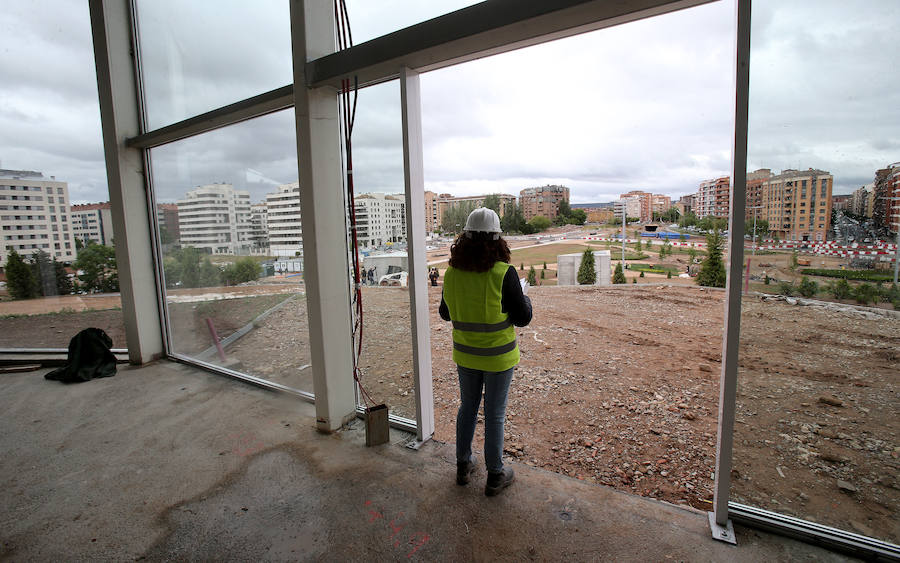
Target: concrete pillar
323, 213
128, 194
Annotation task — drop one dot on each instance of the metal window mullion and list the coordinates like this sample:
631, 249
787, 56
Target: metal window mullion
243, 110
414, 181
731, 339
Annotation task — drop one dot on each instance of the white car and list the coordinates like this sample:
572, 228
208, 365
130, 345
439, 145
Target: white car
398, 279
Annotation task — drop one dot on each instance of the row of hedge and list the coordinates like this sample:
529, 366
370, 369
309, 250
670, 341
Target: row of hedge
859, 275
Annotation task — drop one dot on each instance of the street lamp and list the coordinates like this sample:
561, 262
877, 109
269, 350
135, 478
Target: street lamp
897, 249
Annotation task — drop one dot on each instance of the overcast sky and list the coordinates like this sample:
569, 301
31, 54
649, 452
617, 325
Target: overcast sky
643, 106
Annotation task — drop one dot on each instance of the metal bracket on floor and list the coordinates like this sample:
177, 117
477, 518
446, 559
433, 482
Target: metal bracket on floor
722, 533
415, 443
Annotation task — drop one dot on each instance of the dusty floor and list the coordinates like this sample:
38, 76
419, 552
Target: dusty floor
619, 386
170, 463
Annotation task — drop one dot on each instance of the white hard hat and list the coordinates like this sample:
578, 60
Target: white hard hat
483, 220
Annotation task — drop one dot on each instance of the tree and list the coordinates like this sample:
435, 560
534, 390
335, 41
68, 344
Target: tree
454, 219
244, 270
712, 272
786, 288
642, 274
688, 220
619, 274
97, 264
210, 275
19, 277
492, 201
808, 287
531, 278
513, 219
578, 217
840, 289
762, 227
794, 262
539, 223
63, 281
865, 293
564, 208
692, 253
586, 273
44, 274
637, 245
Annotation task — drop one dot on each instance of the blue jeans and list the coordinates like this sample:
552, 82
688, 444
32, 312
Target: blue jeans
496, 390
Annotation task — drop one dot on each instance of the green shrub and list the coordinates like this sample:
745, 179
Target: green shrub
865, 293
840, 289
860, 275
633, 280
767, 279
531, 277
642, 273
786, 288
669, 275
807, 287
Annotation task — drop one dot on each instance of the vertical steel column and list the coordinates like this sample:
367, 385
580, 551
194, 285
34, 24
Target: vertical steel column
414, 181
323, 212
728, 385
120, 115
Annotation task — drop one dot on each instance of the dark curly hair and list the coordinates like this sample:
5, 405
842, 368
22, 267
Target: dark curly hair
478, 252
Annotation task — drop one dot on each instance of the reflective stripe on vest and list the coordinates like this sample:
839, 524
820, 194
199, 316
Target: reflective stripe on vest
482, 327
495, 351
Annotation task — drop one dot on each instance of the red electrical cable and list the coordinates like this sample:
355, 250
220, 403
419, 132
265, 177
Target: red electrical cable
345, 39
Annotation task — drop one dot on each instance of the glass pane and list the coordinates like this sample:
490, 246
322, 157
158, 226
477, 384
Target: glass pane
229, 223
198, 56
386, 362
816, 426
52, 166
618, 384
369, 20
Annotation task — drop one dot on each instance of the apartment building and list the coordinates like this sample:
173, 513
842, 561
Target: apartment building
862, 200
755, 180
34, 215
632, 205
438, 204
259, 227
840, 202
713, 198
283, 223
797, 204
167, 217
93, 222
886, 198
215, 218
659, 203
380, 219
645, 204
542, 200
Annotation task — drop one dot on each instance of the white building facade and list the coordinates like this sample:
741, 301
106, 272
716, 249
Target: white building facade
380, 219
34, 216
92, 222
285, 228
259, 227
215, 218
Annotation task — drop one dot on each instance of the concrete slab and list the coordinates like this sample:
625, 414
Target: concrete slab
169, 462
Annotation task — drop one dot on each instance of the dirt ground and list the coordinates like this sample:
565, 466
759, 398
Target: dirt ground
619, 386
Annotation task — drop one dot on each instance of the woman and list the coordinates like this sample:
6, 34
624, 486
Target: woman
484, 299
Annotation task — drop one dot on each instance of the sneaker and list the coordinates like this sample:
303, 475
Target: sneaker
464, 470
496, 482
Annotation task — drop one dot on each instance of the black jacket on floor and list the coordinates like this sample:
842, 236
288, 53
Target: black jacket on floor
89, 357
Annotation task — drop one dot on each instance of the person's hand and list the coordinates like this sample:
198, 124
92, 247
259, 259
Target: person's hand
524, 284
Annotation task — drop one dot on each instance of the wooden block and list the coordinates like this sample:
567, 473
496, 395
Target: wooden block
378, 430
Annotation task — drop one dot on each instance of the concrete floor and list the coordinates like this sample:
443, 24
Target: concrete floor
169, 462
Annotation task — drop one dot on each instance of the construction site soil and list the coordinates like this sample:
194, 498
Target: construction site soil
620, 386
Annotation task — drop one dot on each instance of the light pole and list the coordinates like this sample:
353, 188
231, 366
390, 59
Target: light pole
896, 250
623, 237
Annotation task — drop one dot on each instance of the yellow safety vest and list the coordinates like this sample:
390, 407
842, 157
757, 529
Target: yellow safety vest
483, 337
